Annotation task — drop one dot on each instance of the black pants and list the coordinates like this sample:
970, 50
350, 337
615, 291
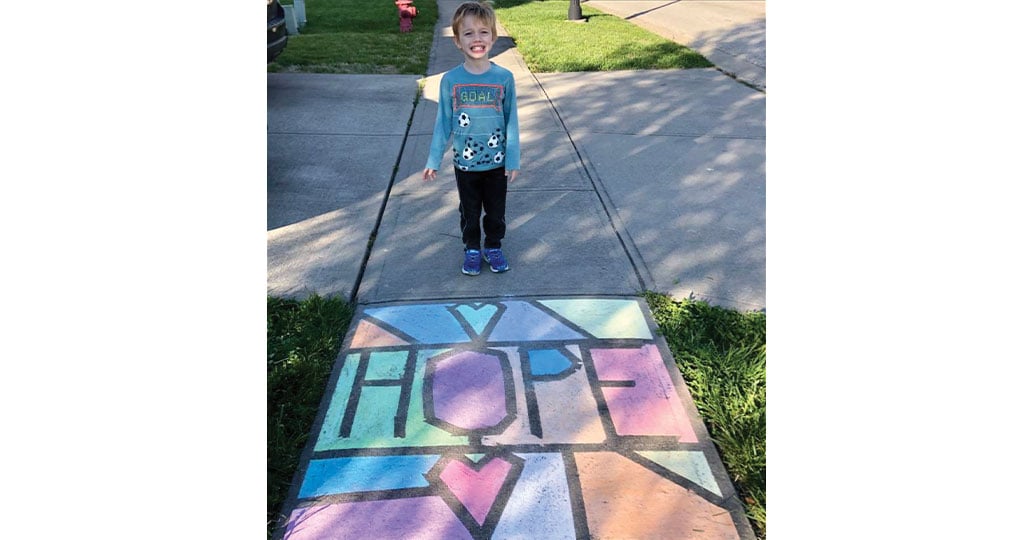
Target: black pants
482, 193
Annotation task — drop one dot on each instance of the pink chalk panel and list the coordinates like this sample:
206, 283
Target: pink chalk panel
415, 517
476, 489
648, 403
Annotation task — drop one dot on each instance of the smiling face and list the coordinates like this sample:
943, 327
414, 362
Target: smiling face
474, 37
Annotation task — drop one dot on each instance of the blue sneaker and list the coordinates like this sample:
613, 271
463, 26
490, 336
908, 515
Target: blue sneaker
495, 257
471, 265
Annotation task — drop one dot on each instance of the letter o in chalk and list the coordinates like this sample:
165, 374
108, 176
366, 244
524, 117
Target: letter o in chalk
469, 392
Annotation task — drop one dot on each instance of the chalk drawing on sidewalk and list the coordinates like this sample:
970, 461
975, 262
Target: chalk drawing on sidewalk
549, 418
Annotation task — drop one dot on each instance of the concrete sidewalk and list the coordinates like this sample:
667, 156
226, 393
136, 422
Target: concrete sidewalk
599, 150
559, 237
730, 34
540, 402
332, 143
631, 180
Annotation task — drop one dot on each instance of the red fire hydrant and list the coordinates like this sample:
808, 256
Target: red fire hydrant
406, 11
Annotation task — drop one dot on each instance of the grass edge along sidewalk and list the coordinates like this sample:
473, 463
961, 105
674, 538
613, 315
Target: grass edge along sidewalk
720, 352
549, 42
303, 340
357, 36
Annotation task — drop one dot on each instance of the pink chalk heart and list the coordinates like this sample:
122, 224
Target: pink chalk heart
476, 490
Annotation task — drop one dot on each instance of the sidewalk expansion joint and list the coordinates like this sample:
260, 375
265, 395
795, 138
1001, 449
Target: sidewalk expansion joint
624, 239
382, 207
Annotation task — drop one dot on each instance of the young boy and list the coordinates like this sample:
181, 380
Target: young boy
477, 108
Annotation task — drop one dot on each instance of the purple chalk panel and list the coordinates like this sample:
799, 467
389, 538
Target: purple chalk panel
469, 391
424, 518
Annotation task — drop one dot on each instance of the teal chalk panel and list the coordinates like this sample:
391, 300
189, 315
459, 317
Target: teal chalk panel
328, 436
604, 318
386, 366
375, 415
477, 315
689, 464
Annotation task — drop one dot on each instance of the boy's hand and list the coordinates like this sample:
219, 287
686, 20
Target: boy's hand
512, 174
428, 174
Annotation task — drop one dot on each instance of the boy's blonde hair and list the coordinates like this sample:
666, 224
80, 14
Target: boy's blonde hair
480, 10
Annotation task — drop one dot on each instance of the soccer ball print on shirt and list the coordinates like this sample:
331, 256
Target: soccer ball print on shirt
477, 105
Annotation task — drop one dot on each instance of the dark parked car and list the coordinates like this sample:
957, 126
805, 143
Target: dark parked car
276, 29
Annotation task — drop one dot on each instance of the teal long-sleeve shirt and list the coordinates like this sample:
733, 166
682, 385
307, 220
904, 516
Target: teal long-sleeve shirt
480, 113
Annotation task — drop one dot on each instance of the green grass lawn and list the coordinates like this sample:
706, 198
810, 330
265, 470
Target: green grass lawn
721, 354
304, 338
358, 36
551, 43
363, 36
